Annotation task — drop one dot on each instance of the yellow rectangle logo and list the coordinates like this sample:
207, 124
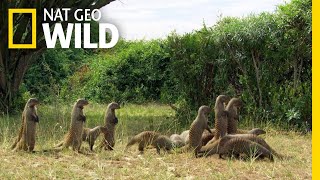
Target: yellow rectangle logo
33, 44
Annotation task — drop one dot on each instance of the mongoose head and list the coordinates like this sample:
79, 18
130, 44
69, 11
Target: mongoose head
222, 99
113, 106
257, 131
236, 102
205, 110
32, 102
81, 102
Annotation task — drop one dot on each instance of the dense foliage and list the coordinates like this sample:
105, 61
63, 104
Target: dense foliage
264, 59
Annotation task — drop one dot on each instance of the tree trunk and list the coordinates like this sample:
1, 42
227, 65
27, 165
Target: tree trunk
257, 72
15, 62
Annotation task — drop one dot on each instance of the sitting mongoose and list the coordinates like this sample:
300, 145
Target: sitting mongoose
74, 136
197, 127
177, 140
90, 135
152, 138
27, 134
237, 146
110, 123
233, 115
221, 117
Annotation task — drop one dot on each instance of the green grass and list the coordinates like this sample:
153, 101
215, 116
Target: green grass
54, 123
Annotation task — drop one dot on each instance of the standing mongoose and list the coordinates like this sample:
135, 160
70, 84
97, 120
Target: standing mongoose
197, 127
110, 123
233, 115
74, 136
27, 134
90, 135
152, 138
221, 117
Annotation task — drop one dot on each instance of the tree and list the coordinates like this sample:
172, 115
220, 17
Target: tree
15, 62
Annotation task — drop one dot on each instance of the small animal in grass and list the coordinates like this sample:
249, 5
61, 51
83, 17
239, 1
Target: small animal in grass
74, 136
111, 121
197, 127
27, 134
90, 135
221, 117
152, 138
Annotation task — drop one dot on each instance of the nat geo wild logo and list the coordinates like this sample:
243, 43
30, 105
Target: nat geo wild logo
81, 30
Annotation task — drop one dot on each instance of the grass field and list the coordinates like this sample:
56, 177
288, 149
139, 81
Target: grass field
54, 122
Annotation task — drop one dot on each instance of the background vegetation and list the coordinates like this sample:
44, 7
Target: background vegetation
264, 59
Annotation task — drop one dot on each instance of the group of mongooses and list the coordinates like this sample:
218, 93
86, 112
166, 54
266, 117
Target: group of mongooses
76, 134
224, 139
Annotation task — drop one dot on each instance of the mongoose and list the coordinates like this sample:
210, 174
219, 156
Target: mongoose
256, 131
152, 138
233, 115
251, 137
197, 127
213, 148
207, 136
237, 146
185, 136
27, 134
177, 140
110, 123
74, 136
221, 117
90, 135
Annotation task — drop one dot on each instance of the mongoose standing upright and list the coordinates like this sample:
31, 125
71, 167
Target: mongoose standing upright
90, 135
197, 127
74, 136
233, 115
110, 123
27, 134
221, 117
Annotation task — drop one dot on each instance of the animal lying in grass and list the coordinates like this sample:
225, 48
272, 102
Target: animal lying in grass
90, 135
152, 138
248, 144
177, 140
